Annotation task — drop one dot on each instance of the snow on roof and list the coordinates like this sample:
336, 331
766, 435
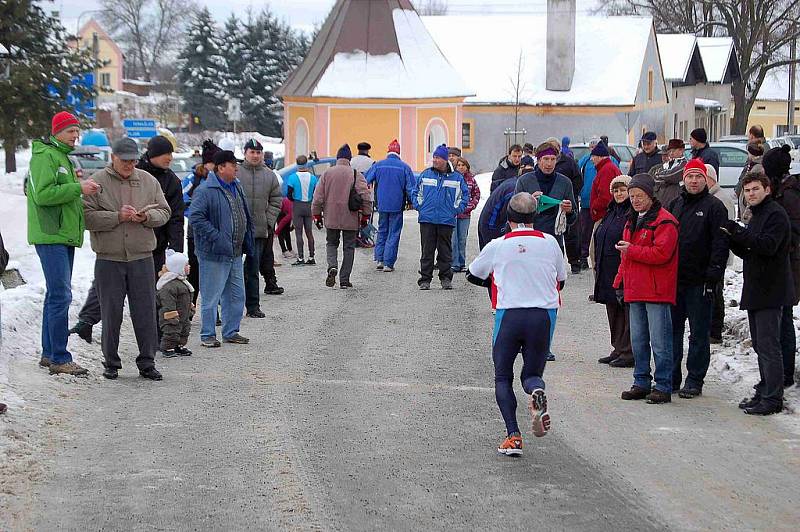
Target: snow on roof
609, 54
776, 85
418, 71
139, 82
676, 54
3, 49
716, 53
704, 103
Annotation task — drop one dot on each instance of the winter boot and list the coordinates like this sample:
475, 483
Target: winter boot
68, 368
634, 394
83, 330
657, 397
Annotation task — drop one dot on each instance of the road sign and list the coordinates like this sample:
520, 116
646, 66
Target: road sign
140, 128
234, 109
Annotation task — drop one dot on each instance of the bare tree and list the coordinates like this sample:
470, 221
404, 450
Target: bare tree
148, 29
761, 30
517, 85
431, 7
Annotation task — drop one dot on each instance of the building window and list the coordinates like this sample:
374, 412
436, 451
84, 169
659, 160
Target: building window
436, 137
105, 79
466, 136
301, 138
650, 85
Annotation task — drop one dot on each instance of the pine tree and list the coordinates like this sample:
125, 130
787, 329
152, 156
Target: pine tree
42, 68
236, 54
260, 73
202, 73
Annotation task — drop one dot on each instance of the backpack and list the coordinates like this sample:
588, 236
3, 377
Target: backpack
354, 201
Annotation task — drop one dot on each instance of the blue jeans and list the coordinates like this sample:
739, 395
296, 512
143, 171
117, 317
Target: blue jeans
57, 260
651, 331
460, 233
692, 303
221, 282
390, 225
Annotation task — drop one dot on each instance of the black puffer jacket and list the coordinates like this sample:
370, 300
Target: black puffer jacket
702, 247
788, 197
505, 170
169, 235
643, 162
764, 247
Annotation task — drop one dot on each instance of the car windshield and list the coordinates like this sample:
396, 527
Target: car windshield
796, 141
579, 151
731, 157
90, 161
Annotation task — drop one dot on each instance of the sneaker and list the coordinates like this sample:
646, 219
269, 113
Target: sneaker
447, 284
273, 290
236, 339
763, 409
511, 446
330, 280
110, 373
424, 285
634, 394
657, 397
182, 351
169, 353
379, 266
550, 357
746, 403
310, 261
388, 269
622, 362
83, 330
44, 362
540, 418
150, 373
689, 392
256, 313
68, 368
210, 342
299, 262
345, 284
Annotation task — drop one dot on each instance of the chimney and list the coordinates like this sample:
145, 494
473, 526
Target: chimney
560, 44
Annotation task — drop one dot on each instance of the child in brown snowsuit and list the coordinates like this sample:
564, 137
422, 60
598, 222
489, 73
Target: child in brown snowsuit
175, 308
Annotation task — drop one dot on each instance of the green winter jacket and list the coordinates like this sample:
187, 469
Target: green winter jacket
55, 210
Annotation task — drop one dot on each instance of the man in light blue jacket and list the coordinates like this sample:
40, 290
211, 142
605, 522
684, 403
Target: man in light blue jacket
394, 182
439, 196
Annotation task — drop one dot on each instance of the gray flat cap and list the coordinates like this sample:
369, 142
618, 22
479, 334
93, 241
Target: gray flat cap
126, 149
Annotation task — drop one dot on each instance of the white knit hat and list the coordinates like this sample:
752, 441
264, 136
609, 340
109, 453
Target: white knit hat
710, 172
176, 262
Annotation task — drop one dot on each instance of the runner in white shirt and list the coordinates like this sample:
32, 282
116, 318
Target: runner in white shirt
526, 269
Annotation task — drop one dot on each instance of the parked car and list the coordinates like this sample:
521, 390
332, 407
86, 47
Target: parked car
736, 139
183, 164
625, 152
732, 158
320, 165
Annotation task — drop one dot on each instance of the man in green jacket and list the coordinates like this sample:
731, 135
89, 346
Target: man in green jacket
55, 227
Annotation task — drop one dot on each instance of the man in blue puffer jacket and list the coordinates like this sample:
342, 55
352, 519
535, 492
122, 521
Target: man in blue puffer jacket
394, 181
223, 232
439, 195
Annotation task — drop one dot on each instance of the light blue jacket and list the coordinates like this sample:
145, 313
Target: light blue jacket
589, 172
302, 187
439, 197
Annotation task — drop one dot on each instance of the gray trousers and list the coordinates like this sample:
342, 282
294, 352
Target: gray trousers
348, 251
115, 281
302, 221
765, 332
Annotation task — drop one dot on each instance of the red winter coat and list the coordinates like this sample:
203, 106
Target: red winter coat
649, 269
601, 188
474, 195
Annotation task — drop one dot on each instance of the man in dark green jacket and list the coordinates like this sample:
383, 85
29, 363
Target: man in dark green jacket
55, 227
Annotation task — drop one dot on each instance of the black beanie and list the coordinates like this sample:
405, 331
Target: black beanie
776, 161
700, 135
159, 145
209, 150
644, 182
344, 152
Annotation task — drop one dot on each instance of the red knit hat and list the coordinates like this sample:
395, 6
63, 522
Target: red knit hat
695, 165
62, 121
394, 147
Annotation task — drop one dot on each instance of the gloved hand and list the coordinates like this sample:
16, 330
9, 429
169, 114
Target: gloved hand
364, 220
620, 293
731, 227
318, 221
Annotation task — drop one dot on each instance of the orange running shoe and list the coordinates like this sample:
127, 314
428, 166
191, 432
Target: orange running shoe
540, 419
511, 446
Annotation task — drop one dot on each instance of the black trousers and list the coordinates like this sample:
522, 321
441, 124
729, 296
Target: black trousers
620, 327
437, 241
251, 267
194, 269
572, 243
267, 261
765, 332
788, 343
718, 312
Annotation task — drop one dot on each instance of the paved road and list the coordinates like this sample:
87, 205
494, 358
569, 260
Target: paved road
373, 408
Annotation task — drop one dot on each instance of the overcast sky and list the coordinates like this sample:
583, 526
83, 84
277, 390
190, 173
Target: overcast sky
305, 13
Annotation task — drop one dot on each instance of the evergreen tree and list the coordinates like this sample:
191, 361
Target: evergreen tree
202, 73
260, 73
41, 69
236, 53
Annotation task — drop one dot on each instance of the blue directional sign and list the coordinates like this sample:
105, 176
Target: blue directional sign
140, 128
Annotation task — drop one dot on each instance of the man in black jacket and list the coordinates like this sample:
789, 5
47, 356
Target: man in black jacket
703, 253
701, 150
768, 286
508, 167
786, 191
648, 157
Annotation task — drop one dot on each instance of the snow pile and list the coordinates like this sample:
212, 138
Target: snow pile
485, 50
716, 54
275, 145
676, 55
13, 181
418, 71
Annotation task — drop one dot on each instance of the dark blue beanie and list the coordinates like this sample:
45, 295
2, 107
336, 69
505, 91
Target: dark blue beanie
601, 150
441, 152
344, 152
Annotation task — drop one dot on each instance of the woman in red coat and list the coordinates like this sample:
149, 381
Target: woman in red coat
600, 196
647, 279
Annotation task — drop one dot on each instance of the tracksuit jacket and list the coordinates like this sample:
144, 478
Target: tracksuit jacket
439, 197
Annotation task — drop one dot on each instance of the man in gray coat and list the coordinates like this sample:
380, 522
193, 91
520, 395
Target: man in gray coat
263, 194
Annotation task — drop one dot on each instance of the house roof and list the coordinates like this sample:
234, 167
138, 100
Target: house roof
680, 58
719, 59
776, 85
93, 24
374, 49
486, 49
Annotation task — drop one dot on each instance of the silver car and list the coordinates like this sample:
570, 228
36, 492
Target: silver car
732, 158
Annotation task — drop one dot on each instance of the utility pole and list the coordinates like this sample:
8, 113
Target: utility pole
792, 78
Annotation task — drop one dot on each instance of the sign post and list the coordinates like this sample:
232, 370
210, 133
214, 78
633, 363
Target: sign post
234, 111
140, 128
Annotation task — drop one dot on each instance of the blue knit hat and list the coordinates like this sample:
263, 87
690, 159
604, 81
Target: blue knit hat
441, 152
565, 142
345, 153
601, 150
